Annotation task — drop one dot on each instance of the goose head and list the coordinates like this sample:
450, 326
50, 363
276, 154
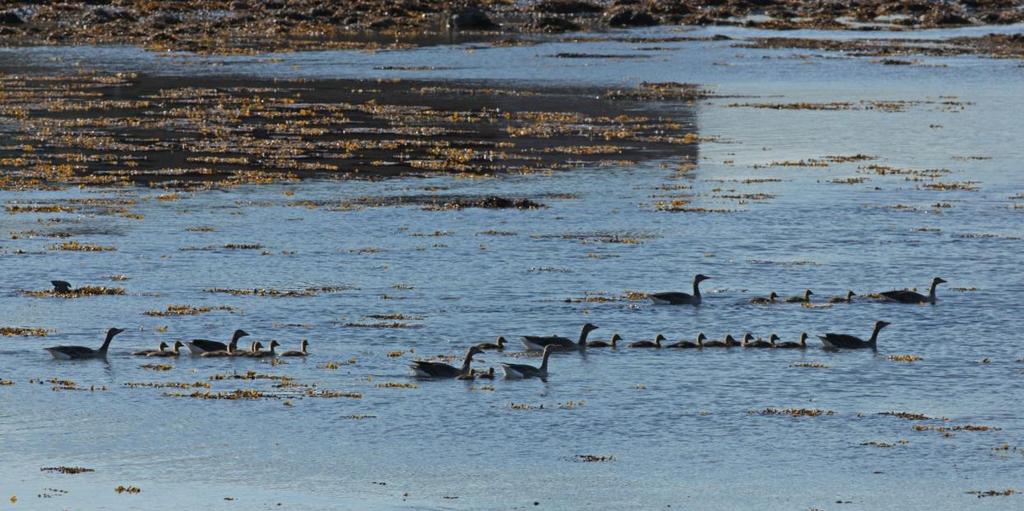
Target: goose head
274, 344
177, 345
700, 277
304, 345
114, 331
239, 334
773, 338
938, 280
747, 337
881, 324
163, 346
589, 327
500, 341
701, 337
772, 296
658, 338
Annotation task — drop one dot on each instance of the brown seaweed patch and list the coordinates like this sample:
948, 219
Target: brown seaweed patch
593, 458
67, 470
75, 246
814, 365
885, 445
911, 416
278, 293
187, 310
904, 358
792, 412
78, 292
131, 490
992, 493
19, 331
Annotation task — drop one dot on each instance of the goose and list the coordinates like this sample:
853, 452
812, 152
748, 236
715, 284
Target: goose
82, 352
537, 343
612, 343
908, 296
727, 343
843, 299
173, 353
523, 371
230, 352
254, 352
749, 342
142, 353
806, 298
425, 369
244, 353
61, 286
690, 344
792, 345
497, 345
266, 354
656, 343
303, 347
677, 298
849, 342
488, 375
200, 346
763, 300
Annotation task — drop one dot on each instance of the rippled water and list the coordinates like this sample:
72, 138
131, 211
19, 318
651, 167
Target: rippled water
678, 424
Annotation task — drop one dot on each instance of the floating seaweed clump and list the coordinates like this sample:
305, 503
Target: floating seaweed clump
78, 292
67, 470
278, 293
396, 385
912, 416
75, 246
167, 385
793, 412
12, 331
233, 395
815, 365
187, 310
593, 458
157, 367
904, 358
993, 493
885, 445
131, 490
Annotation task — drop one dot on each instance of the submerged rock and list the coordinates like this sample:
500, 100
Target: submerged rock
551, 24
627, 17
471, 18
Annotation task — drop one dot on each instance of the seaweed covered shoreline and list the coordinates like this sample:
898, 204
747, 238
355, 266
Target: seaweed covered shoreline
251, 26
197, 133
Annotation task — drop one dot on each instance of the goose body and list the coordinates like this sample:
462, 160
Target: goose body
612, 343
200, 346
679, 298
497, 345
303, 347
83, 352
804, 298
173, 353
266, 354
690, 344
850, 342
143, 353
791, 345
908, 296
750, 342
524, 371
426, 369
656, 343
764, 300
61, 286
728, 342
537, 343
843, 299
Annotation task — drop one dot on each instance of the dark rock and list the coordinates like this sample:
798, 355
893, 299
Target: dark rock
164, 19
551, 25
382, 24
943, 16
471, 18
567, 7
720, 37
630, 18
107, 14
13, 17
273, 5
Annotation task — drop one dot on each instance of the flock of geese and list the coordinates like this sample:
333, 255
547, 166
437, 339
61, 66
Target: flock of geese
546, 344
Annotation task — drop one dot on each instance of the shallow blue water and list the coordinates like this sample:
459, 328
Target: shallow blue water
677, 424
